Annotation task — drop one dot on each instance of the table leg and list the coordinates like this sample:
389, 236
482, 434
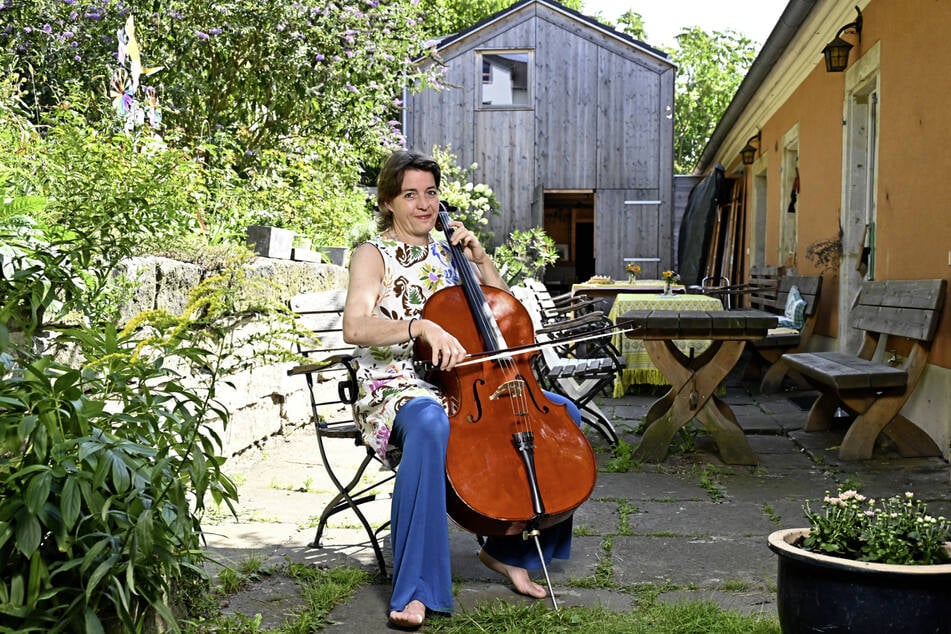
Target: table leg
719, 420
693, 383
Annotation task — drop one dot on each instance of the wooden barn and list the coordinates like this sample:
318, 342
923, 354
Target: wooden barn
571, 125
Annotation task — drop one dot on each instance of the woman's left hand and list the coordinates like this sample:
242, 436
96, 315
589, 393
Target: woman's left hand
474, 250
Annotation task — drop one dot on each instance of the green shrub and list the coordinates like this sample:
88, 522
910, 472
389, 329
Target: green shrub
525, 254
107, 461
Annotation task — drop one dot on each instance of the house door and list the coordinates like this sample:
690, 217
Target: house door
569, 221
858, 211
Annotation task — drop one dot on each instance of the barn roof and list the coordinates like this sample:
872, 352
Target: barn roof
482, 24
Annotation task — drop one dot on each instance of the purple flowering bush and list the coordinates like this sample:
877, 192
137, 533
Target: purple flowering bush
260, 75
280, 105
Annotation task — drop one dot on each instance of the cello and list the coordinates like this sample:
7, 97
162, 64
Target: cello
516, 462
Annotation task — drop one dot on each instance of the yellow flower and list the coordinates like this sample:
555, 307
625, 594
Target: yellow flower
633, 268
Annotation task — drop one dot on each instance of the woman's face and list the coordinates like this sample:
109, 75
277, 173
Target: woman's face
414, 209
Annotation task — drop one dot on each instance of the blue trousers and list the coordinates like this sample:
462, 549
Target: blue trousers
419, 529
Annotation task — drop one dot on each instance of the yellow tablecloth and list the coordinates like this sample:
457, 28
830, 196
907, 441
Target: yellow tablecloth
639, 368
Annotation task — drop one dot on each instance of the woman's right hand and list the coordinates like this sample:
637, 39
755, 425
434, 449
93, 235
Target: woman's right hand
446, 350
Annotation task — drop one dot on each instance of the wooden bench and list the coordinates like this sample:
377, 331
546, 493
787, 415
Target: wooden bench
779, 341
321, 314
869, 384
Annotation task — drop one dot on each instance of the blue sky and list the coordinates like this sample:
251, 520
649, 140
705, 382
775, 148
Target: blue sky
664, 19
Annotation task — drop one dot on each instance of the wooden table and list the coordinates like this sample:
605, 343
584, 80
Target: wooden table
638, 367
612, 290
694, 379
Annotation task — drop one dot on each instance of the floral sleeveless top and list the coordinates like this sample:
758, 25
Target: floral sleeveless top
385, 374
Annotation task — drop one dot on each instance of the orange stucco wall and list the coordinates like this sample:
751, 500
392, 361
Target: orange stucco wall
914, 155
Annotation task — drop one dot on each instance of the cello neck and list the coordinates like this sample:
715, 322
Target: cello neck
481, 312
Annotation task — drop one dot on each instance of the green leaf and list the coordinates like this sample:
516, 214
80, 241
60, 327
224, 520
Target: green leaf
101, 571
37, 491
121, 477
143, 532
28, 534
70, 502
93, 624
17, 592
27, 425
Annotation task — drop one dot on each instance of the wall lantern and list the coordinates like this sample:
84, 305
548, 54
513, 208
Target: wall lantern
748, 154
836, 52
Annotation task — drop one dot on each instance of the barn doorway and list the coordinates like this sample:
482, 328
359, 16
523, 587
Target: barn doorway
569, 220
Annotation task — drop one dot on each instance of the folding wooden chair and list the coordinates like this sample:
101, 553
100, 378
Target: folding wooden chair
333, 417
580, 379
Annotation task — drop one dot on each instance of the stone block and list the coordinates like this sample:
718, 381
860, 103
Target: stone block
271, 242
301, 254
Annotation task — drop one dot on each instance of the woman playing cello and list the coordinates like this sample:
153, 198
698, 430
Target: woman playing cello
404, 417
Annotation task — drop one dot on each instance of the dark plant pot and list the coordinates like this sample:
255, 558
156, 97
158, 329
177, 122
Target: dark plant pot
818, 593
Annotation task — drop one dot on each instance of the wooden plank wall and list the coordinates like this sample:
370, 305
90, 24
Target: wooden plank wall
601, 121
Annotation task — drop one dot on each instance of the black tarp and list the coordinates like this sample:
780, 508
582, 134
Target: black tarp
696, 228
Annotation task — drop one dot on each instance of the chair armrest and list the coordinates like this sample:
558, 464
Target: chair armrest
585, 322
323, 364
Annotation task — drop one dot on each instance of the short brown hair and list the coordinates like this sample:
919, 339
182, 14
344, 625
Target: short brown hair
389, 184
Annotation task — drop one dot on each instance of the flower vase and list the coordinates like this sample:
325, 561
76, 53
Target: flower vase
667, 289
631, 278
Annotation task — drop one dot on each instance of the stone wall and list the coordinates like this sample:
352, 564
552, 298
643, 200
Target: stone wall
263, 399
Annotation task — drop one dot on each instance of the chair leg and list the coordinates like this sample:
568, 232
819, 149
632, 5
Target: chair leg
346, 499
591, 415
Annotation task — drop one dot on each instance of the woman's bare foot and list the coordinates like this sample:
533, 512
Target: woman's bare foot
412, 615
518, 576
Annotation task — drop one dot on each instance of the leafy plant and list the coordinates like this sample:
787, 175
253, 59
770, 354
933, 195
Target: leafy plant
897, 530
264, 73
107, 461
525, 254
475, 201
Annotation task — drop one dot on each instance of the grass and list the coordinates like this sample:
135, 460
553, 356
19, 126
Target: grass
654, 618
323, 589
710, 481
623, 459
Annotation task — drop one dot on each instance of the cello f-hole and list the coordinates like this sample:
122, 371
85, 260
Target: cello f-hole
478, 402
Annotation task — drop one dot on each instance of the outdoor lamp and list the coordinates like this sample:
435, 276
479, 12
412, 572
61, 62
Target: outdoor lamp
748, 153
836, 52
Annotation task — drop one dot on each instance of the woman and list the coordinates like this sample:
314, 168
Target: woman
391, 277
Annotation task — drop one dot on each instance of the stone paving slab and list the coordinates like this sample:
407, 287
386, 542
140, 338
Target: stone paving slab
691, 523
700, 519
708, 562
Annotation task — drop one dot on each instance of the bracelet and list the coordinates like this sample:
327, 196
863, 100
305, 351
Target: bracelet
409, 330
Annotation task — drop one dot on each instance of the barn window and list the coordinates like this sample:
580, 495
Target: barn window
506, 80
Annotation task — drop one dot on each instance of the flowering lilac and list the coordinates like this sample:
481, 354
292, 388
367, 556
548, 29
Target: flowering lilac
47, 28
201, 35
69, 1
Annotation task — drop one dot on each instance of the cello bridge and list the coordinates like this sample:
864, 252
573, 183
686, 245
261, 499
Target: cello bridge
512, 388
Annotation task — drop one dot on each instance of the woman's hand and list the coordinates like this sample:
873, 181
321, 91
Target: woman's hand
447, 351
465, 238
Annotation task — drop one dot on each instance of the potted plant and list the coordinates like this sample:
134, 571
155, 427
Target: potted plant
865, 565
